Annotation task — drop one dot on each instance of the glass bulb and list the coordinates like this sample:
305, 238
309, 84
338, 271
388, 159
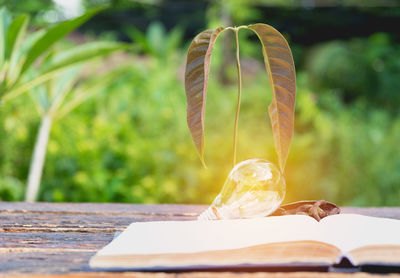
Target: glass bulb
254, 188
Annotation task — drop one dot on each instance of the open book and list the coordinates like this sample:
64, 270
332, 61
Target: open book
262, 242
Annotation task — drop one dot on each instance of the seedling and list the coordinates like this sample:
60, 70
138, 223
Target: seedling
280, 69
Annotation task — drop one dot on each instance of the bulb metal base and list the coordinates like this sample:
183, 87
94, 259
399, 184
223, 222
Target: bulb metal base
209, 214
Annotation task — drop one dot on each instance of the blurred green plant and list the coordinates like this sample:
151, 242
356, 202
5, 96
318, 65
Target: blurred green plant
11, 189
23, 60
358, 69
54, 100
128, 142
55, 75
334, 65
35, 8
156, 41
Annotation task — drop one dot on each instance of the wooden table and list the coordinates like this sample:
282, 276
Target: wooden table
57, 239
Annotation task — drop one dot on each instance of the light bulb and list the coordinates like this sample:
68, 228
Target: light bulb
254, 188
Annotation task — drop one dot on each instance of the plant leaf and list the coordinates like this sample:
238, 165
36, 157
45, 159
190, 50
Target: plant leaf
5, 19
155, 36
281, 71
24, 87
53, 35
139, 38
15, 34
17, 57
82, 53
69, 58
196, 79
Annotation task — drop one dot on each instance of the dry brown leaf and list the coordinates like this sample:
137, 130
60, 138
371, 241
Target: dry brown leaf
281, 71
196, 79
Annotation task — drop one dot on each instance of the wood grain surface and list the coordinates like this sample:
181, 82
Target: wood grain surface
57, 239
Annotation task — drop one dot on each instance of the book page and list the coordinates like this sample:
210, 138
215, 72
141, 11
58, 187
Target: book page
351, 231
198, 236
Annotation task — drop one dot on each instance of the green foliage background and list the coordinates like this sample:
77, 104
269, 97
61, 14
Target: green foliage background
130, 142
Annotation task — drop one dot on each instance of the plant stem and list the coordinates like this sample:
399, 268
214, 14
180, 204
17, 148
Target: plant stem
37, 161
236, 30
